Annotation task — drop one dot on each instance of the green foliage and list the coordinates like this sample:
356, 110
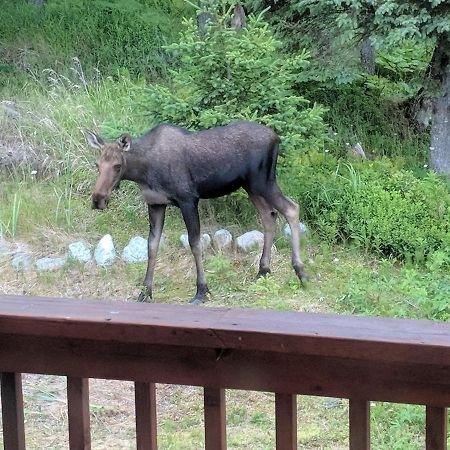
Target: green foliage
392, 20
406, 62
407, 292
103, 34
226, 75
376, 205
369, 111
396, 426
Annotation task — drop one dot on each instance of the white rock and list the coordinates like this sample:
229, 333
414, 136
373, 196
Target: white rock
287, 230
222, 239
184, 240
21, 261
50, 263
250, 240
105, 253
205, 240
136, 250
79, 252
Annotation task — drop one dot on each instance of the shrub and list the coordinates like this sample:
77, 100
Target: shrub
225, 75
376, 205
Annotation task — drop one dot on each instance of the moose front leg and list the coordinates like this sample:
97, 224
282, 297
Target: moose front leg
156, 214
192, 221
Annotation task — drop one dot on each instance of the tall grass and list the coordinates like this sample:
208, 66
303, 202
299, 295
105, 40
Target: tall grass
106, 35
9, 224
51, 114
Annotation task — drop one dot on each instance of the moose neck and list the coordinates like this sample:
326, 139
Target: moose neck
135, 167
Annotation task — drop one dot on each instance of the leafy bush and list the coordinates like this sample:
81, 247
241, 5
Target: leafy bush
376, 205
227, 75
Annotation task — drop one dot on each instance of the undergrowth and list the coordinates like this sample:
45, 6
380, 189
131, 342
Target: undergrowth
104, 35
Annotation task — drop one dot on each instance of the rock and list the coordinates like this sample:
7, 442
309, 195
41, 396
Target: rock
79, 252
222, 239
357, 150
50, 263
21, 261
184, 240
250, 240
205, 240
136, 250
105, 253
287, 230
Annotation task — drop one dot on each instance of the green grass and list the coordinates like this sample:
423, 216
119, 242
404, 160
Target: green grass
105, 36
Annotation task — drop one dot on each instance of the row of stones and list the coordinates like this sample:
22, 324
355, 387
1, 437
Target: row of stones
136, 250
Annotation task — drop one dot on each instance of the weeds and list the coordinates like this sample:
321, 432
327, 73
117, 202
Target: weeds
64, 206
8, 226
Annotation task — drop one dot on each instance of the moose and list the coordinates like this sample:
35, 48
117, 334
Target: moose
174, 166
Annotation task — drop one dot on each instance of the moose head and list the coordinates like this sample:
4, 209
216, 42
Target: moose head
110, 166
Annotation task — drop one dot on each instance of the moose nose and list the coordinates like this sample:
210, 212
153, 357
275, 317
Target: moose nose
99, 202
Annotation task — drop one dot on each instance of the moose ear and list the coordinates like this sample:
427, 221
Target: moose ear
124, 142
93, 140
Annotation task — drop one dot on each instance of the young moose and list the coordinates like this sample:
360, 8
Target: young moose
174, 166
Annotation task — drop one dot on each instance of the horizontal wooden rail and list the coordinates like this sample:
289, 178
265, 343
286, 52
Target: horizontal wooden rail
282, 352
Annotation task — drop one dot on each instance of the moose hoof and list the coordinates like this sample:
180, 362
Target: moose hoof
201, 296
197, 300
302, 275
263, 272
145, 295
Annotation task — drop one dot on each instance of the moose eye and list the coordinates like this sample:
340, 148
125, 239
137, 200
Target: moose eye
117, 167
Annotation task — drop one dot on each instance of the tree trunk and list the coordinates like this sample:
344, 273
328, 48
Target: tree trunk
368, 56
440, 129
205, 17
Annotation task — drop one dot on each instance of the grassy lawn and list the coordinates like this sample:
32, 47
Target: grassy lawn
343, 280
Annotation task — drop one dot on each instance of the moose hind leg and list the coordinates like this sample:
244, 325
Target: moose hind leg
269, 221
192, 221
290, 210
156, 214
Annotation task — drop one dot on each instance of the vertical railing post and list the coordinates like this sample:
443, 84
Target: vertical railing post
359, 421
12, 411
286, 421
145, 401
215, 419
78, 413
436, 424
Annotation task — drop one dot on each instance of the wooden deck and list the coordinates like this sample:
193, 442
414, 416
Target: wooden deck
287, 353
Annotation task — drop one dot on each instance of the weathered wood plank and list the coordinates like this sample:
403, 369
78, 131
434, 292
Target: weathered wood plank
286, 421
146, 423
12, 411
235, 369
359, 424
215, 419
436, 424
278, 331
78, 413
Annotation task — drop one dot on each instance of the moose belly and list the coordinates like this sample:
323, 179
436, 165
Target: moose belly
152, 197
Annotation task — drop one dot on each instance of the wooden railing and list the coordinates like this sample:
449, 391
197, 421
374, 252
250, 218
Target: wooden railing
287, 353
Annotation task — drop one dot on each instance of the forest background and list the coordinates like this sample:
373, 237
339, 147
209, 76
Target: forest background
358, 90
